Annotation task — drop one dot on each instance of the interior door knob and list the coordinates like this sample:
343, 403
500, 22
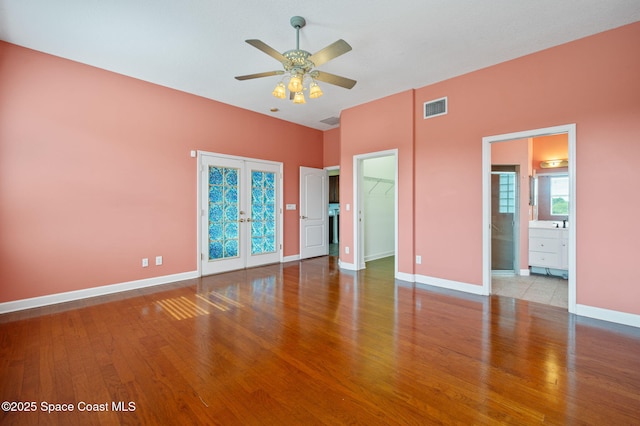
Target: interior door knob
303, 217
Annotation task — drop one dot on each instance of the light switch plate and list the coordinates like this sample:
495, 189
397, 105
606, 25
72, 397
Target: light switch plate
291, 206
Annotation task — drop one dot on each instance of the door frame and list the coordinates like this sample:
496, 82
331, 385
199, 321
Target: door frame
570, 130
358, 225
200, 210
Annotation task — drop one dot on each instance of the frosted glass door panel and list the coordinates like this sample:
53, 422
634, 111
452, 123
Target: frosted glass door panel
264, 213
223, 213
222, 233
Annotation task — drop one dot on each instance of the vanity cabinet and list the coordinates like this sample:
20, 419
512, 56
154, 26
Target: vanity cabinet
548, 248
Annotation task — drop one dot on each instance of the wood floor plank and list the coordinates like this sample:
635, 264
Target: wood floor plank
304, 343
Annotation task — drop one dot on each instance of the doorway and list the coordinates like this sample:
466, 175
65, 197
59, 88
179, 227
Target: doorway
240, 222
334, 210
570, 131
375, 207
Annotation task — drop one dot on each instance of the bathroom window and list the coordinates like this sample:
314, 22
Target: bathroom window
507, 193
559, 192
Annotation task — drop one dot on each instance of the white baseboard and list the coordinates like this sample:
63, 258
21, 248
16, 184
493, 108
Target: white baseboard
403, 276
347, 266
608, 315
451, 285
377, 256
525, 272
291, 258
52, 299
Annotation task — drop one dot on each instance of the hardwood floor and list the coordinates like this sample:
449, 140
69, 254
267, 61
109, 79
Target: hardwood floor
303, 343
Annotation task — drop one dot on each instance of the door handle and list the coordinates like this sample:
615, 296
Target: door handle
241, 220
303, 217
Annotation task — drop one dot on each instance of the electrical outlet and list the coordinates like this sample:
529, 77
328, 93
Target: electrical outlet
418, 260
158, 260
145, 262
346, 250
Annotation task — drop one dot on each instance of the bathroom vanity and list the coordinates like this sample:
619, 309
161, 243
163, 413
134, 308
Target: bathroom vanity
548, 245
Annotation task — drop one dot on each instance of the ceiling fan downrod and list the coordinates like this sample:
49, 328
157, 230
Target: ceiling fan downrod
298, 22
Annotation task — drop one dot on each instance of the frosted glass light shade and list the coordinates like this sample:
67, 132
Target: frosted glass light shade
315, 91
295, 84
280, 92
299, 98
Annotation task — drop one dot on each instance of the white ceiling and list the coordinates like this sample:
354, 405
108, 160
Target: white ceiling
197, 46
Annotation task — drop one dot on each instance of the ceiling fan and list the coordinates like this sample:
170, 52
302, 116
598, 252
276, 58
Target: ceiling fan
300, 67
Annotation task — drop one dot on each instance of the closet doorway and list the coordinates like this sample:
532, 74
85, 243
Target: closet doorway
376, 207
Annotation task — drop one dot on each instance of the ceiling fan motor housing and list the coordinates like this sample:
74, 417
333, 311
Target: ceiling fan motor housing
298, 59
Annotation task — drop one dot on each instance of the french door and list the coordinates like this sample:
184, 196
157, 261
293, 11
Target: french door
240, 216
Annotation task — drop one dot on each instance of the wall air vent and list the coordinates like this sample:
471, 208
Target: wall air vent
331, 121
435, 108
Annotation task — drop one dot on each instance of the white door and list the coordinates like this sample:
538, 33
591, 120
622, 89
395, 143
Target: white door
314, 212
240, 217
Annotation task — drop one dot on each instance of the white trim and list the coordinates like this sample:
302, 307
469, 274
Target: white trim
525, 272
608, 315
378, 256
52, 299
403, 276
451, 285
346, 266
291, 258
358, 237
570, 130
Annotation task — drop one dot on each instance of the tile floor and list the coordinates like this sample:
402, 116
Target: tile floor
535, 288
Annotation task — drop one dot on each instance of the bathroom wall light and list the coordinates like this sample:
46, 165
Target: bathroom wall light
551, 164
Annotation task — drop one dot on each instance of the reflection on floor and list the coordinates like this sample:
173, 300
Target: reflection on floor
535, 288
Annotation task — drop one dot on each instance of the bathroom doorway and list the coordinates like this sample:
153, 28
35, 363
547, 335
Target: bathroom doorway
522, 274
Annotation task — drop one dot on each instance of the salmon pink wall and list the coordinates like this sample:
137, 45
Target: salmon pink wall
331, 147
378, 126
592, 82
95, 173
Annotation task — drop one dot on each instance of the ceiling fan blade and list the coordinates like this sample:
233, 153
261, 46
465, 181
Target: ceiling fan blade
267, 49
259, 75
347, 83
333, 50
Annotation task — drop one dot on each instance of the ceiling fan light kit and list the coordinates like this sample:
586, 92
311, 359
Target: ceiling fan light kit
299, 67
